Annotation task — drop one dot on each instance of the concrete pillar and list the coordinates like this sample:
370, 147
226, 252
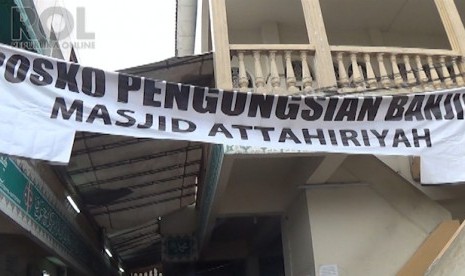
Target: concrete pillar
452, 24
220, 40
316, 30
186, 22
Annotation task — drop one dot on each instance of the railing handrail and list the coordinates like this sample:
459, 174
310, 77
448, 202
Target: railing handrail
393, 50
272, 47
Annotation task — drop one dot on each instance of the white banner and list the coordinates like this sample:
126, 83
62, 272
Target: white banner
44, 100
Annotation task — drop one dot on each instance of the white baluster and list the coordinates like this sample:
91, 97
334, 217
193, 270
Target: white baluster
306, 76
259, 79
445, 73
461, 64
356, 74
290, 76
275, 80
457, 76
398, 81
371, 78
385, 81
343, 79
433, 73
411, 80
243, 81
422, 78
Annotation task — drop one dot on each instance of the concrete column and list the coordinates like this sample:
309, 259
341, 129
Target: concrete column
186, 22
220, 41
316, 30
452, 24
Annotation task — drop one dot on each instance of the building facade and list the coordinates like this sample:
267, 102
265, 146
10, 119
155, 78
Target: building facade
266, 212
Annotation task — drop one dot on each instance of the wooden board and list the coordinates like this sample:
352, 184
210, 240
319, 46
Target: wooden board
429, 249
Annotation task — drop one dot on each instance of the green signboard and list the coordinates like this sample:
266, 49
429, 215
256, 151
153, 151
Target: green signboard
17, 187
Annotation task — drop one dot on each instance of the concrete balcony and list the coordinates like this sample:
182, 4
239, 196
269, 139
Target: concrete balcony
311, 46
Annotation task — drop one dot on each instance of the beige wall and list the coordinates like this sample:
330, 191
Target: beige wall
368, 228
365, 38
461, 8
251, 21
297, 239
263, 185
286, 34
371, 227
356, 229
242, 198
399, 24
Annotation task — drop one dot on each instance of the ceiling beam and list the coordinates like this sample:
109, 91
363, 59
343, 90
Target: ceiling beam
88, 135
109, 146
131, 230
159, 181
134, 175
122, 209
134, 160
145, 196
126, 242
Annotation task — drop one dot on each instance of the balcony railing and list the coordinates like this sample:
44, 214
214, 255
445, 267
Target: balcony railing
277, 68
288, 69
402, 69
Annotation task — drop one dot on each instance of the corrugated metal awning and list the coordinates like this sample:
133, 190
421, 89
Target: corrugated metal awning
127, 183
